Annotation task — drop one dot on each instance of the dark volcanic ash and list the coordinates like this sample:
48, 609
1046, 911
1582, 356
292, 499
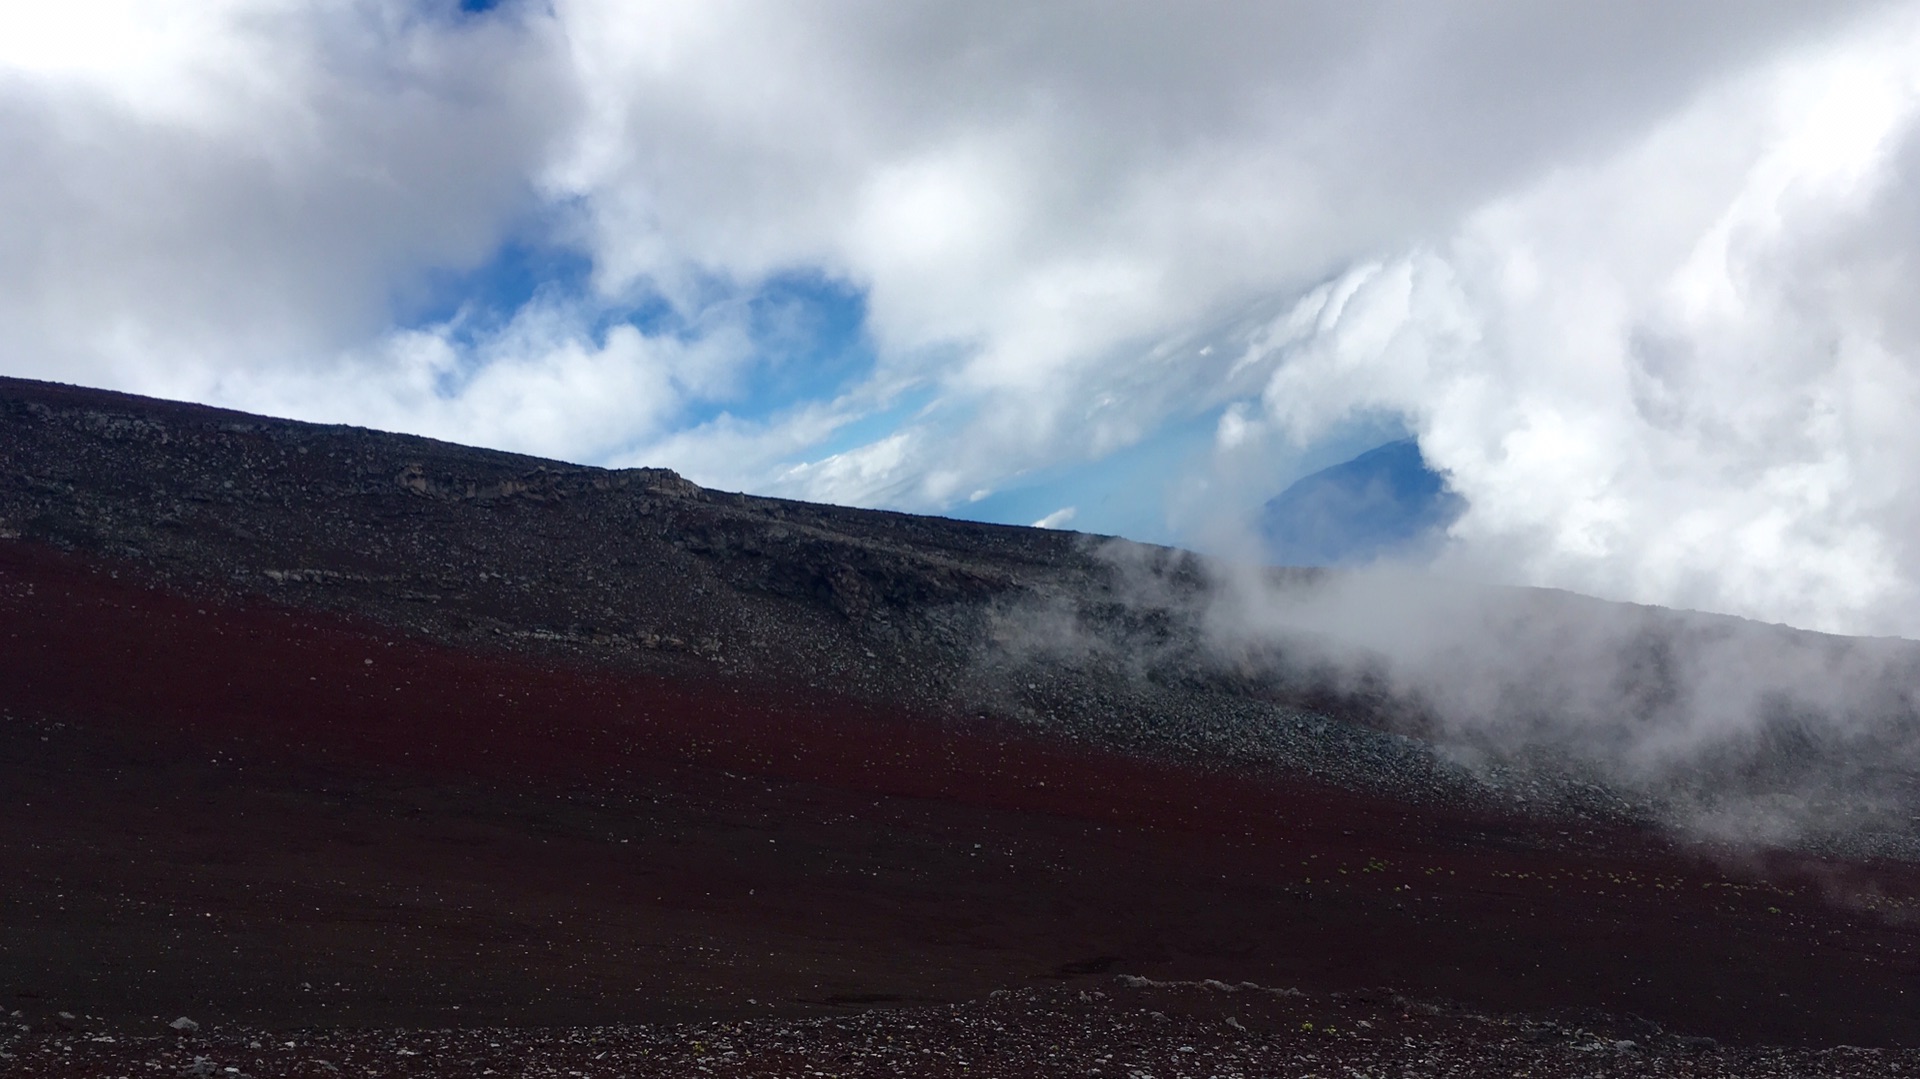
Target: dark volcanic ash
1378, 679
316, 727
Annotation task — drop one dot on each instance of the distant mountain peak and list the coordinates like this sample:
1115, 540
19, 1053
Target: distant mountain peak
1385, 503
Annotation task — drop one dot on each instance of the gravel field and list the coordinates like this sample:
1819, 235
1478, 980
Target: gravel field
1127, 1028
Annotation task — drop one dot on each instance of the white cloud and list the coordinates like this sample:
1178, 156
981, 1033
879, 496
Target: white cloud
1059, 518
1685, 374
1633, 271
545, 384
194, 190
860, 476
1056, 188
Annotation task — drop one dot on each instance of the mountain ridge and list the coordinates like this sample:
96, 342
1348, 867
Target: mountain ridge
437, 725
1384, 503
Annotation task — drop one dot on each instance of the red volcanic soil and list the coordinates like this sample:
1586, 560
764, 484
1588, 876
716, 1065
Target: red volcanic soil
255, 814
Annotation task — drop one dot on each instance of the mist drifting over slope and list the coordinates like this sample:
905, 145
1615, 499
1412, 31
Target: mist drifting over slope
1730, 728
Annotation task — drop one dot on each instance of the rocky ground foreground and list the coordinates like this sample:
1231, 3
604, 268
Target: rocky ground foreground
1125, 1027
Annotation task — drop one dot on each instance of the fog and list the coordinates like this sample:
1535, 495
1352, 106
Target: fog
1729, 728
1718, 728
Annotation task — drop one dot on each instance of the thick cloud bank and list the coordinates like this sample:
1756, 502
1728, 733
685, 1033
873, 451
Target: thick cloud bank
1634, 273
1684, 374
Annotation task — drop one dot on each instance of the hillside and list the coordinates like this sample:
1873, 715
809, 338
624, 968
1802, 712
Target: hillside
322, 728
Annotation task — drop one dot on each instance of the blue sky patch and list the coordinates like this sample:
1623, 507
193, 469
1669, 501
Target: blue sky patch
489, 294
1139, 492
1126, 493
808, 329
810, 344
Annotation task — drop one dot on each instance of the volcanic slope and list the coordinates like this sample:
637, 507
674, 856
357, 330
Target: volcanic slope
315, 727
